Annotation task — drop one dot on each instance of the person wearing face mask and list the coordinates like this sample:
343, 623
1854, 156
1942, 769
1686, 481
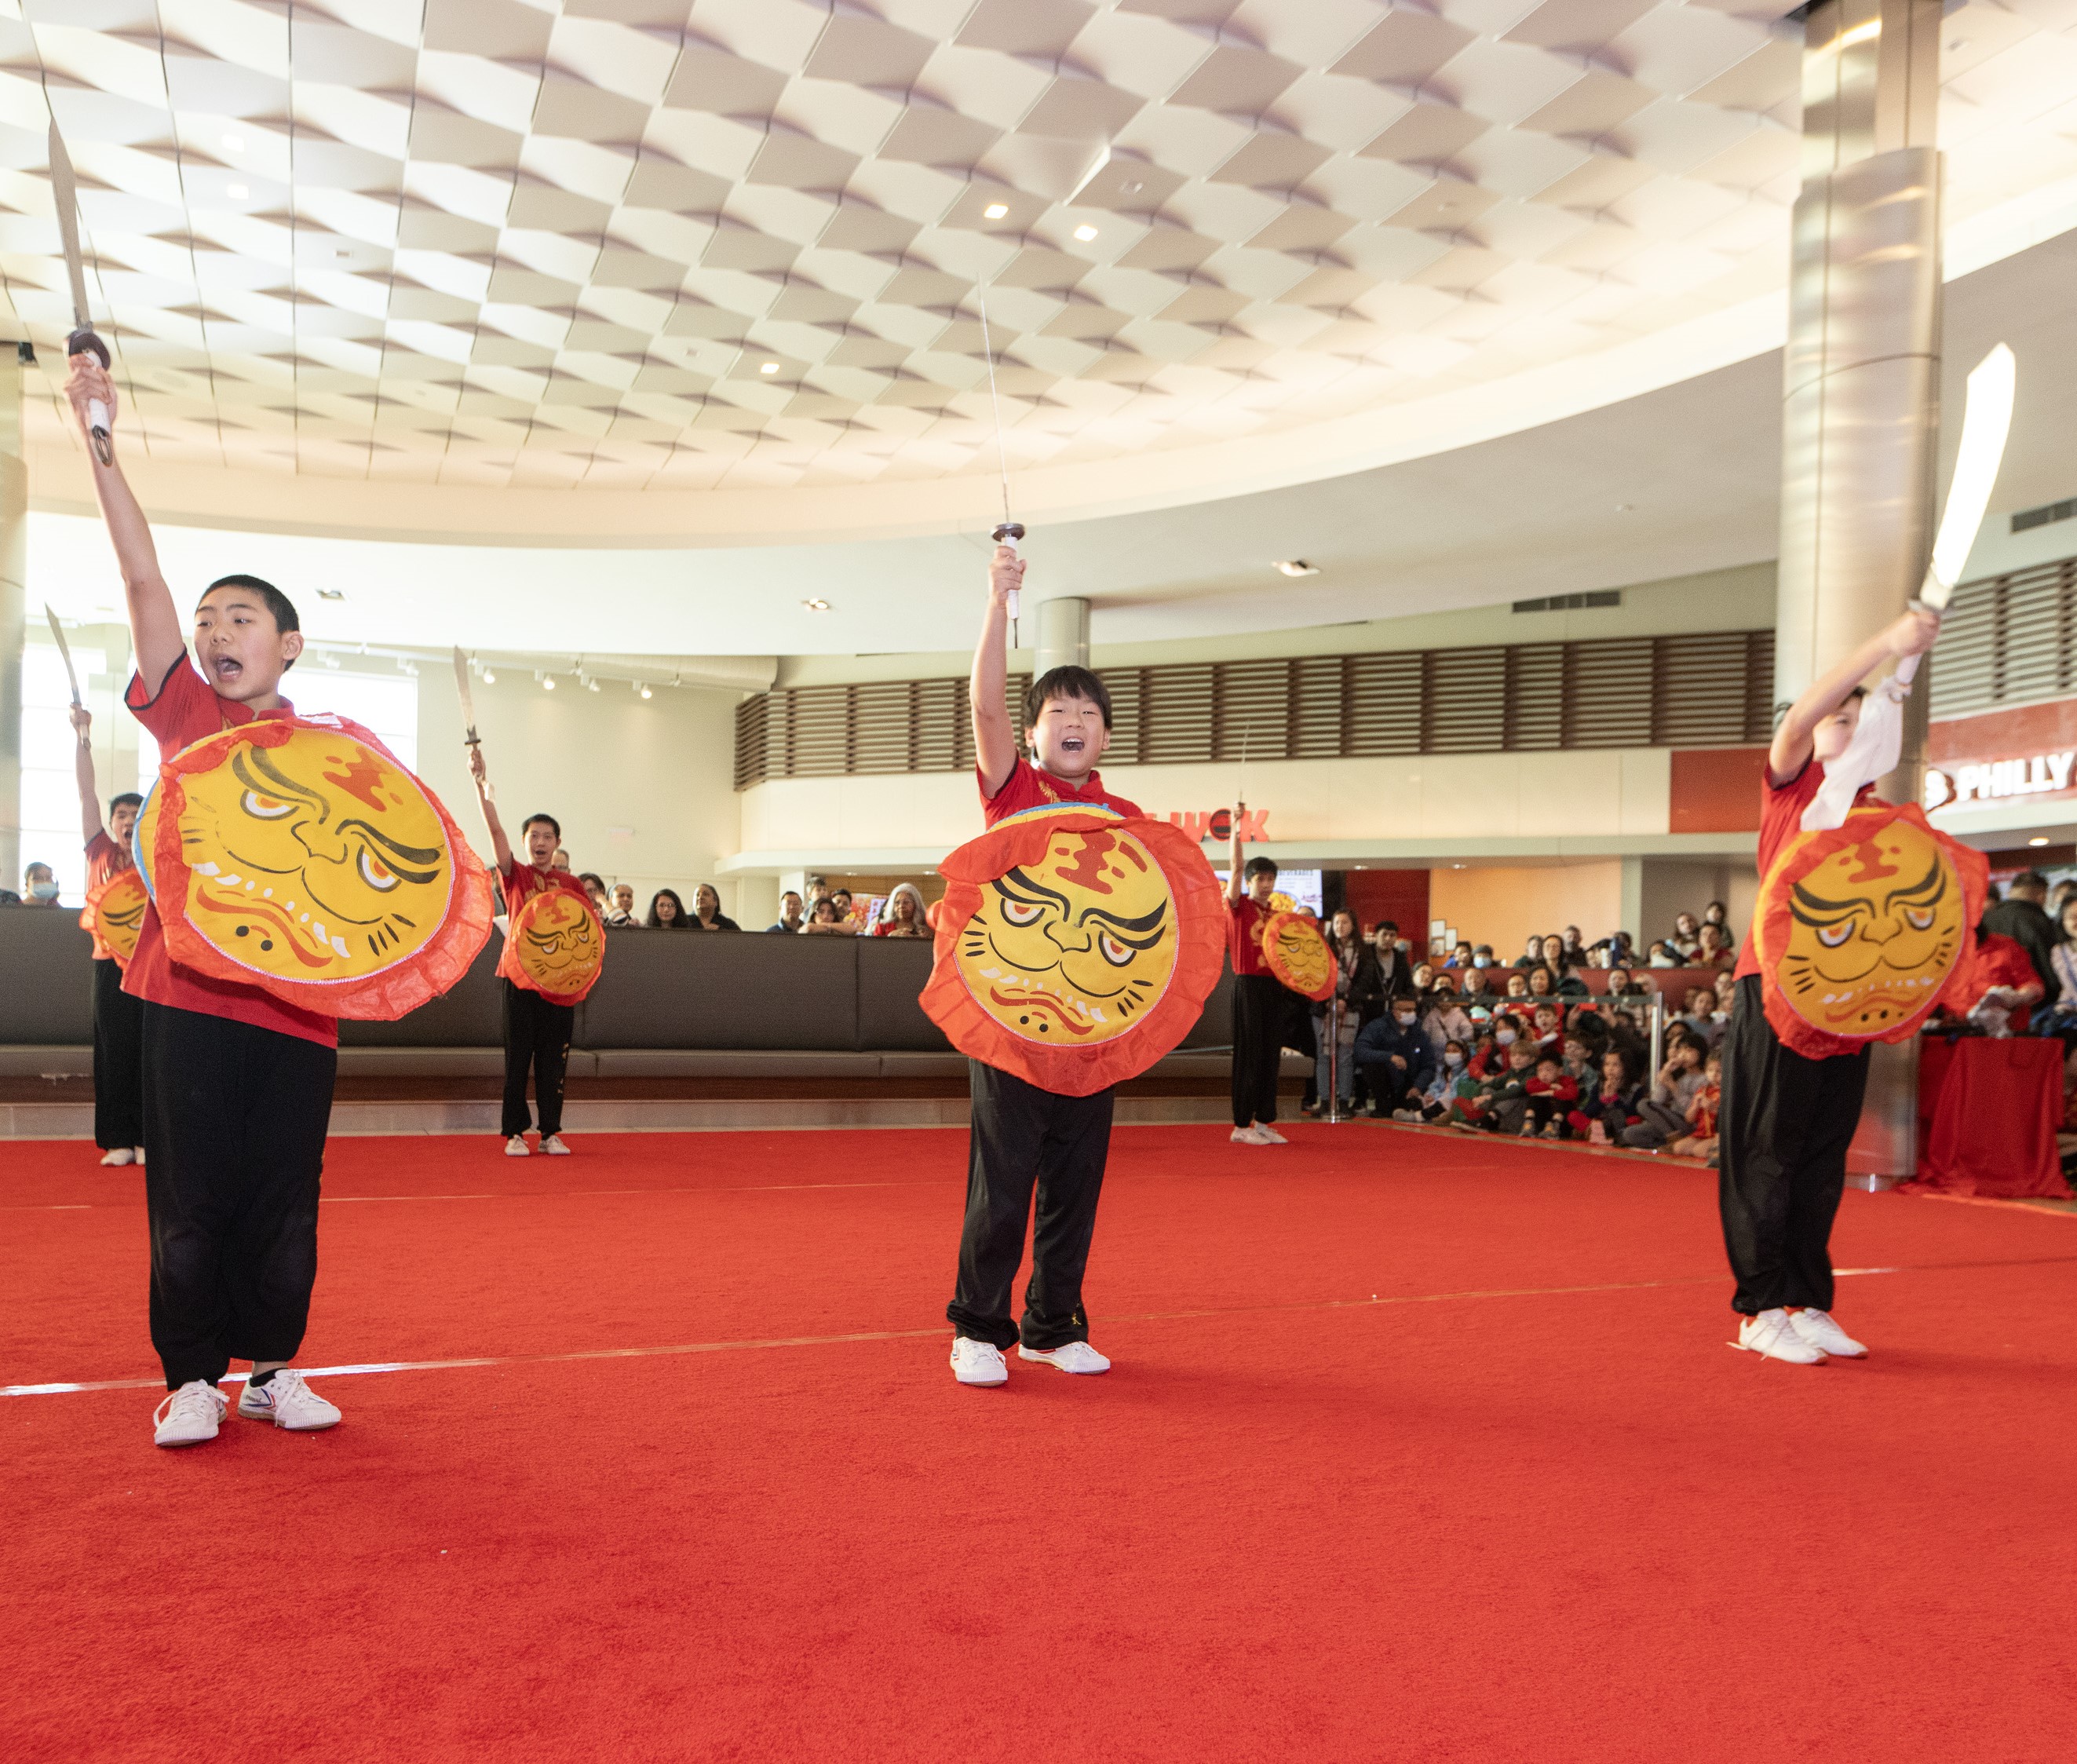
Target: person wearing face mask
39, 886
1398, 1061
1443, 1018
1449, 1072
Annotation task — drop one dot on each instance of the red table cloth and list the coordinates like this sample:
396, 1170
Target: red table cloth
1989, 1111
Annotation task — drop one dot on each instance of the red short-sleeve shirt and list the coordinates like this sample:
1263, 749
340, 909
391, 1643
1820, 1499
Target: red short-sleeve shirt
184, 709
1027, 786
104, 858
1245, 919
1781, 807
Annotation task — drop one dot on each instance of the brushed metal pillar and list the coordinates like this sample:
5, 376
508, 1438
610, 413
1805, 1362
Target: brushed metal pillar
1063, 633
14, 610
1861, 397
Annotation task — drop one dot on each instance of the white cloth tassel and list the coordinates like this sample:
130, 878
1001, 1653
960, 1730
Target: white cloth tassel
1877, 745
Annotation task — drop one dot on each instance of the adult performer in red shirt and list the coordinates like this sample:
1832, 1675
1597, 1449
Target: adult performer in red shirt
1024, 1136
1786, 1120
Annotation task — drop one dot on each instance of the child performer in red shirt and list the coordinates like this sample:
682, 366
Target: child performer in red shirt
1024, 1136
537, 1030
237, 1084
119, 1019
1786, 1120
1260, 1000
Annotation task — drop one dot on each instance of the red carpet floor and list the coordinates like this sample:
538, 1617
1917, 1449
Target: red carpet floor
1524, 1505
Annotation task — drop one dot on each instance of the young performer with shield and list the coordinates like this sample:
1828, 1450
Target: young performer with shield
115, 914
1077, 943
297, 874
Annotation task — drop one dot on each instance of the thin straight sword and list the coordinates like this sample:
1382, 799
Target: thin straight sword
1009, 532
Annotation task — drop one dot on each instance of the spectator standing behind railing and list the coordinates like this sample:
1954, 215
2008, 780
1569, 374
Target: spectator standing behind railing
903, 914
620, 910
823, 921
594, 888
707, 915
666, 912
39, 886
791, 923
2020, 916
1686, 935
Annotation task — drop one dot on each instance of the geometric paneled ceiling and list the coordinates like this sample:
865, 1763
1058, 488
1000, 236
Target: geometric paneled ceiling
651, 245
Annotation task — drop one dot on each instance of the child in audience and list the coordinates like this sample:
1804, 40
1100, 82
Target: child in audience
1450, 1070
1025, 1138
39, 885
537, 1029
1460, 957
1605, 1113
1579, 1062
1545, 1027
1662, 1117
823, 920
1506, 1095
1700, 1141
119, 1019
1550, 1094
1687, 934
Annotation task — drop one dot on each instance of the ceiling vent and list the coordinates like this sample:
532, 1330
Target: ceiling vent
2045, 515
1566, 603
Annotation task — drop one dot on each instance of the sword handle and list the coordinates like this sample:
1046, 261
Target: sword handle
83, 342
1009, 533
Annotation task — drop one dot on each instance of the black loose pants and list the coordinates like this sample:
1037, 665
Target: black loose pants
119, 1060
1260, 1007
1784, 1126
537, 1035
1023, 1137
234, 1122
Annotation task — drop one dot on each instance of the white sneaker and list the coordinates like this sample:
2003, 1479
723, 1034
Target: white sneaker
517, 1147
141, 1157
289, 1403
122, 1154
189, 1415
1073, 1356
553, 1145
1817, 1329
1248, 1136
978, 1363
1270, 1135
1769, 1336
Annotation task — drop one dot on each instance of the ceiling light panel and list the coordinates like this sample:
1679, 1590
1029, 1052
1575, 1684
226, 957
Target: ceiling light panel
497, 243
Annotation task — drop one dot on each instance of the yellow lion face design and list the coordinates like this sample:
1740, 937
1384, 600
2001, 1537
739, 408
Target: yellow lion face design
556, 942
119, 915
1300, 959
318, 860
1075, 948
1875, 931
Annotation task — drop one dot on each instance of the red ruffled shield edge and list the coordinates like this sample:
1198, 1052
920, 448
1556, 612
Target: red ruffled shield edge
510, 968
1071, 1071
89, 915
1772, 917
383, 997
1272, 955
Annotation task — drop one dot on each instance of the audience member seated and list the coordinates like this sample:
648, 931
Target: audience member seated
1517, 984
1609, 1110
1449, 1068
594, 888
1461, 956
1476, 984
707, 914
824, 919
620, 909
790, 923
1662, 1117
1482, 955
2019, 916
1443, 1018
1546, 1026
666, 912
1718, 914
848, 911
1622, 985
2061, 1016
1396, 1060
1700, 1141
560, 860
1712, 948
1532, 955
1663, 955
2007, 986
1686, 935
1542, 983
1550, 1093
39, 886
902, 916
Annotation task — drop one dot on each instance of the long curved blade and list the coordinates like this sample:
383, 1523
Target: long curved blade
65, 650
64, 192
1986, 423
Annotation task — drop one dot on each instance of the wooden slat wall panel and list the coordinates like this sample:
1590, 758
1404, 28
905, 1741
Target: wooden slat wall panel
1709, 689
2007, 639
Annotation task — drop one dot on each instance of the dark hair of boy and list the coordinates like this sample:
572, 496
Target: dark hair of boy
277, 603
547, 820
1387, 925
1255, 867
1067, 682
128, 800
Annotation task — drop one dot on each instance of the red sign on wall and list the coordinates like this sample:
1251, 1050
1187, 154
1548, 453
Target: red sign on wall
1218, 824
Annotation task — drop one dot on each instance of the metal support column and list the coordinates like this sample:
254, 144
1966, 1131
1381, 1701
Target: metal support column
14, 611
1063, 633
1861, 395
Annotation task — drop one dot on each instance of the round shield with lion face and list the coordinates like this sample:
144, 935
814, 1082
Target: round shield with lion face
115, 914
1075, 946
556, 946
1861, 929
1297, 955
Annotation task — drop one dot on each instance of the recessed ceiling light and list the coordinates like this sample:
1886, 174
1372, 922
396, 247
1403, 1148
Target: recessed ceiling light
769, 367
817, 606
331, 594
995, 210
237, 192
234, 143
547, 683
2039, 838
1085, 232
489, 678
1297, 566
592, 685
647, 694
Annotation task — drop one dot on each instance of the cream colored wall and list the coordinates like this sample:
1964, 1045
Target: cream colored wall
1672, 886
644, 789
1503, 904
1605, 793
1740, 599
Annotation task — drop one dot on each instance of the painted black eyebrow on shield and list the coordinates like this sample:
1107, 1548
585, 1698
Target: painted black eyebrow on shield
412, 853
1023, 880
1817, 904
1923, 885
1145, 921
277, 783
